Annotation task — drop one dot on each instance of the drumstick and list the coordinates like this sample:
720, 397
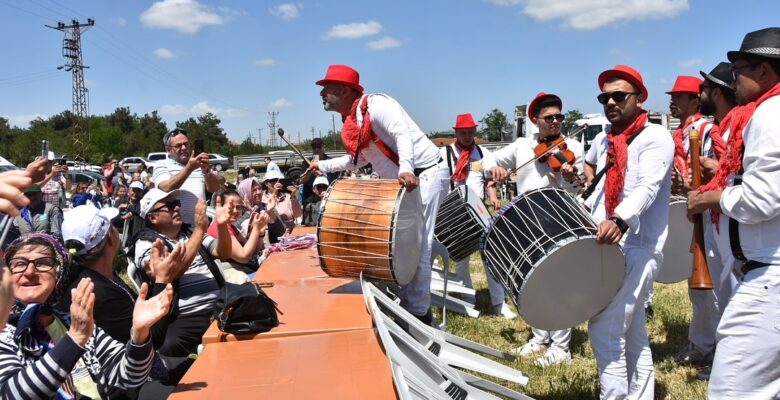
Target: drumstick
280, 131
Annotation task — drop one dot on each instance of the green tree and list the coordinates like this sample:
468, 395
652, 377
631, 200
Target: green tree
494, 124
571, 117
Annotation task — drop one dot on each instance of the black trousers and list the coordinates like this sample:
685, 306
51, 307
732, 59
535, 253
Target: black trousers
184, 334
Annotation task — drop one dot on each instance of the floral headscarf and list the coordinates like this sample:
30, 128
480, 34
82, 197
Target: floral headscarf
245, 190
62, 270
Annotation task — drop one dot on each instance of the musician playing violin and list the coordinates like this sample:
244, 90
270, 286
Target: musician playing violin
558, 160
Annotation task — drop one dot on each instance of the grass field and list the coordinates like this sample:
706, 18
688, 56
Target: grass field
668, 333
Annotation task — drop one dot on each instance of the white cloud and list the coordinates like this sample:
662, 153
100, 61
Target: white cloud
164, 53
354, 30
286, 11
201, 108
692, 62
265, 62
586, 15
504, 3
119, 21
281, 103
386, 42
23, 121
185, 16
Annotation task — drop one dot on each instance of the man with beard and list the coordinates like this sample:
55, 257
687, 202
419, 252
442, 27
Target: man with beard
631, 207
748, 208
378, 130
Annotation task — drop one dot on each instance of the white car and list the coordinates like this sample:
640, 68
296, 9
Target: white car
132, 163
219, 161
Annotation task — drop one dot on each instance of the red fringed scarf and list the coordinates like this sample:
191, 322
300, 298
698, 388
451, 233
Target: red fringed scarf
357, 138
718, 144
731, 163
618, 155
461, 168
680, 156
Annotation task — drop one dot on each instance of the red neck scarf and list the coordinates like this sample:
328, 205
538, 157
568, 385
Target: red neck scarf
716, 138
731, 163
680, 156
357, 138
461, 168
618, 155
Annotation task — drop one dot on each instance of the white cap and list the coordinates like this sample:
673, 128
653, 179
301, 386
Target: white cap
320, 180
136, 185
152, 197
87, 225
273, 174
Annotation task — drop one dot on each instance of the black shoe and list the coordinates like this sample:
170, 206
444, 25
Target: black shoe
427, 318
649, 313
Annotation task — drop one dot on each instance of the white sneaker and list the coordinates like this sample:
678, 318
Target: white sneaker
529, 348
553, 356
504, 311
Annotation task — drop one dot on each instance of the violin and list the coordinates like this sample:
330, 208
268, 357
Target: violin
554, 152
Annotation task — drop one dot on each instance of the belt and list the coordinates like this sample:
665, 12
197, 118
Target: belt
418, 171
751, 265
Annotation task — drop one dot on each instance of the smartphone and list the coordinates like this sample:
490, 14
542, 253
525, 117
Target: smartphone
45, 149
198, 146
62, 161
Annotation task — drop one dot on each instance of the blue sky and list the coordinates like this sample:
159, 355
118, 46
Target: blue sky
439, 58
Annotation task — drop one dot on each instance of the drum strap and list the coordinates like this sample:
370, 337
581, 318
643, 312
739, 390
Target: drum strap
589, 191
736, 245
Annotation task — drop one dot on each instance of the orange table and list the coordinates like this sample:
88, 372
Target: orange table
288, 265
310, 305
338, 365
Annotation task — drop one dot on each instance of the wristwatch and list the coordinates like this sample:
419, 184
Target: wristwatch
620, 223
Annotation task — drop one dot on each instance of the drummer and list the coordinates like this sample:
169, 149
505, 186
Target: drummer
378, 130
460, 155
631, 205
545, 113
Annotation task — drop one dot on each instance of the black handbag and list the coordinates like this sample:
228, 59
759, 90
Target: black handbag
246, 308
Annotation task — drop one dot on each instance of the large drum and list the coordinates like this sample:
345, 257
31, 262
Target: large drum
678, 259
370, 226
542, 248
460, 222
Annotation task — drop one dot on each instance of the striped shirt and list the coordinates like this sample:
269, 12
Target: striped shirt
192, 190
113, 366
197, 290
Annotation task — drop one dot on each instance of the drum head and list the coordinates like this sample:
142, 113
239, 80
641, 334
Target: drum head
407, 235
678, 260
571, 285
477, 207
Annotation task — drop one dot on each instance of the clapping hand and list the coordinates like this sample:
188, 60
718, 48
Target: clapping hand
146, 313
82, 304
222, 212
201, 221
38, 169
164, 266
6, 290
11, 185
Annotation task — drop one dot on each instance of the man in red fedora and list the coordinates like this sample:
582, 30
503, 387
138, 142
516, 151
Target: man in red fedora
744, 194
377, 130
459, 157
545, 111
631, 205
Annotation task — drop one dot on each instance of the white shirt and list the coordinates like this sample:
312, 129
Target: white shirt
644, 202
192, 190
534, 175
475, 180
704, 127
396, 129
755, 204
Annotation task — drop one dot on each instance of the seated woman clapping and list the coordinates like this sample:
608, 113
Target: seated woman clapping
247, 251
46, 354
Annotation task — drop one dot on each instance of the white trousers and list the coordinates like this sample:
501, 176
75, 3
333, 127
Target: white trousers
416, 295
559, 339
708, 305
463, 274
618, 336
748, 354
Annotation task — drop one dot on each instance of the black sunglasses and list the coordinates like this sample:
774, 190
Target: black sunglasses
617, 95
735, 69
549, 118
170, 205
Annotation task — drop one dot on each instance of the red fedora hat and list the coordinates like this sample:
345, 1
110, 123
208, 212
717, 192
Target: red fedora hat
686, 84
464, 121
343, 75
627, 73
542, 96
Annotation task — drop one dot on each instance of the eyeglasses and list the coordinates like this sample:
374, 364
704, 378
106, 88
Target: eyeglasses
180, 145
549, 118
704, 86
316, 146
735, 69
20, 264
322, 187
272, 181
617, 95
169, 206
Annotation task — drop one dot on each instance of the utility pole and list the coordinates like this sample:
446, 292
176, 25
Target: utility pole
312, 133
71, 50
272, 125
260, 136
333, 120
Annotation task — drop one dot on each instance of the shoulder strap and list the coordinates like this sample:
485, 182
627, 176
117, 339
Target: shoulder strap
736, 245
589, 191
360, 118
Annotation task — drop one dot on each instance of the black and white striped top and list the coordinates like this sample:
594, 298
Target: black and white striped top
113, 366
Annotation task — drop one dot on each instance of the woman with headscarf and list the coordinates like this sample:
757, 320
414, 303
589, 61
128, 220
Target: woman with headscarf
251, 192
46, 354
